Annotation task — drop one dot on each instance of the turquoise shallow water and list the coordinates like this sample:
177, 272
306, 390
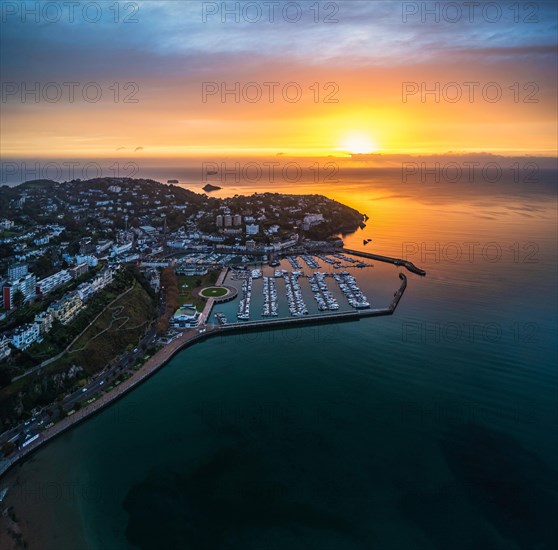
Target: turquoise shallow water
435, 428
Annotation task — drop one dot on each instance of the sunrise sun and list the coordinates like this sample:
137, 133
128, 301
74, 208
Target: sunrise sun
358, 144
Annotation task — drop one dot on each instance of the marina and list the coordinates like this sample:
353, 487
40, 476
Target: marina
327, 284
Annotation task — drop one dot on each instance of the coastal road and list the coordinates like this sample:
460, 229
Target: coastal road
35, 425
26, 430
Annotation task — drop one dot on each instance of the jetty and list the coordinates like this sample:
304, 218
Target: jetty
395, 261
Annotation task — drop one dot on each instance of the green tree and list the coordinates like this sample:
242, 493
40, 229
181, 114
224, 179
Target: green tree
19, 299
6, 251
43, 266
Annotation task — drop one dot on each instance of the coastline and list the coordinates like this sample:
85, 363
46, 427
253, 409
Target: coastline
23, 527
192, 336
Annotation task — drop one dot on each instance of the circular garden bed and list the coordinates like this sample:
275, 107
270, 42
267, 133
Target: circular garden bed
214, 292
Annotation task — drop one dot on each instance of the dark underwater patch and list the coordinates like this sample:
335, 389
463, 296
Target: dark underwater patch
216, 506
499, 487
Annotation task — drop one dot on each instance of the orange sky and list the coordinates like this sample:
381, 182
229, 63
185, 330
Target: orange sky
362, 64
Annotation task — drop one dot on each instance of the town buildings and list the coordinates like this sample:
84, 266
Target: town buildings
27, 285
24, 336
48, 284
67, 308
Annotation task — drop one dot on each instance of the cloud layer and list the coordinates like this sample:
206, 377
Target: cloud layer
374, 47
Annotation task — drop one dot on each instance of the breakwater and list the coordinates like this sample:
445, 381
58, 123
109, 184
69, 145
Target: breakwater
395, 261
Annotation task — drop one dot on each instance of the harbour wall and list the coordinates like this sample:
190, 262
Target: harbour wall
395, 261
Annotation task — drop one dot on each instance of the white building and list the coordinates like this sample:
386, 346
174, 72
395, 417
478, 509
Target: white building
128, 258
252, 229
22, 337
91, 261
27, 285
17, 271
178, 244
185, 317
44, 321
117, 250
41, 240
6, 224
149, 229
213, 238
67, 308
312, 219
46, 285
286, 244
104, 245
86, 290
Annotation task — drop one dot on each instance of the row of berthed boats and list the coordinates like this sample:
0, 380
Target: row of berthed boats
348, 285
322, 294
293, 260
221, 318
244, 304
295, 301
311, 262
336, 260
344, 258
270, 307
357, 263
327, 259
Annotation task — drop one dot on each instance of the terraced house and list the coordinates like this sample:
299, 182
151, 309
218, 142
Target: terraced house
67, 308
25, 335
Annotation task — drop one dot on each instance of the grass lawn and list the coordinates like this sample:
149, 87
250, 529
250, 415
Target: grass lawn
121, 325
187, 283
213, 292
